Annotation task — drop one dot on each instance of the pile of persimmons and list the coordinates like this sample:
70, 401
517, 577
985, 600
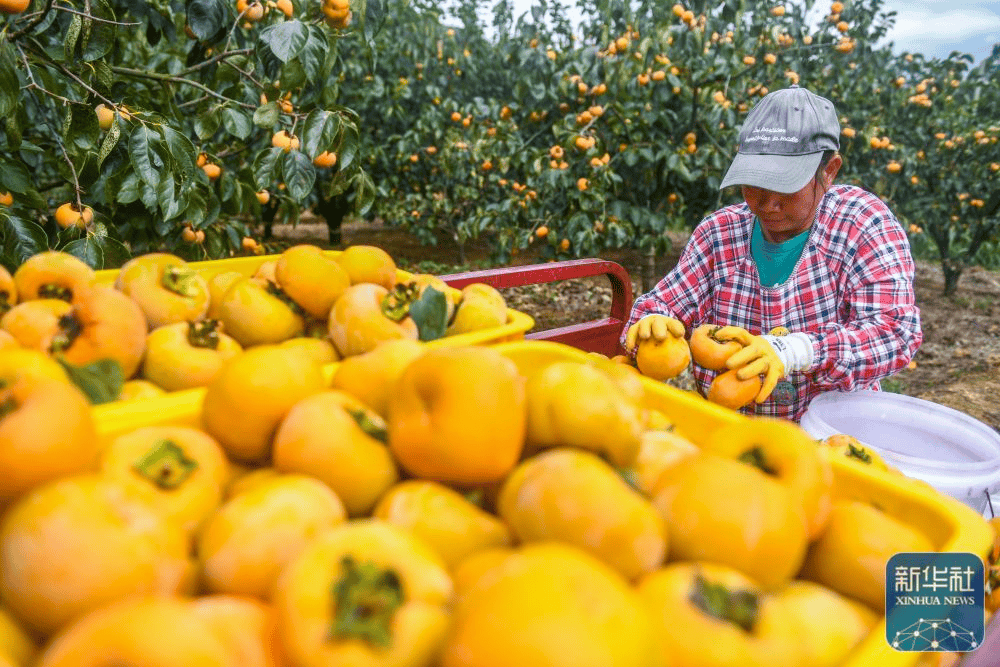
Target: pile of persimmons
167, 327
420, 505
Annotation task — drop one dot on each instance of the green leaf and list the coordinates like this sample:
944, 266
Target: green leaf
14, 177
267, 115
299, 175
207, 19
314, 55
181, 151
206, 124
72, 36
348, 148
364, 193
23, 238
9, 83
167, 197
236, 123
319, 131
267, 166
129, 190
143, 156
100, 381
87, 249
373, 19
110, 141
430, 314
98, 37
285, 39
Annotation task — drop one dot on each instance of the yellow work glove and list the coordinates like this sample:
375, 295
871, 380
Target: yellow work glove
758, 357
657, 327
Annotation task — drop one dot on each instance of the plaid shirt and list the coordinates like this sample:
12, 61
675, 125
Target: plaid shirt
851, 292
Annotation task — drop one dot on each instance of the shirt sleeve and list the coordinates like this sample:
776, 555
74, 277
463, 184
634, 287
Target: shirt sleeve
882, 329
685, 291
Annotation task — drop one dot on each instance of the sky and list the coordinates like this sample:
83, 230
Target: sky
931, 27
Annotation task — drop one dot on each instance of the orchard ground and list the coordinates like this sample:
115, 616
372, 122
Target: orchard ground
958, 364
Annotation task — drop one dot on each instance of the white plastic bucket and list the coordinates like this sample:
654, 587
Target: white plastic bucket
953, 452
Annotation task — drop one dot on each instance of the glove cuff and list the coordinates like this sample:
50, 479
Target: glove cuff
795, 350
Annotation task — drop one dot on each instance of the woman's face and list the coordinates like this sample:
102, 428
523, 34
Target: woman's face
783, 216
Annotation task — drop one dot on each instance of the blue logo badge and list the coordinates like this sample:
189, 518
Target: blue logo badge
935, 601
784, 393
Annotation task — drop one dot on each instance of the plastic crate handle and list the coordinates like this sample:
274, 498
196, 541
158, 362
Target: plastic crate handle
600, 335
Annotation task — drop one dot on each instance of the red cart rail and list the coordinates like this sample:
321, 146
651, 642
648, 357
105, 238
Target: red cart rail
600, 335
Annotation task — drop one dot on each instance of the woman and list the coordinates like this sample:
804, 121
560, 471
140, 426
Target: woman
828, 263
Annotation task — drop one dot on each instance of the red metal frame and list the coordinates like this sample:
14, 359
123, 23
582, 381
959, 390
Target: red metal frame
600, 335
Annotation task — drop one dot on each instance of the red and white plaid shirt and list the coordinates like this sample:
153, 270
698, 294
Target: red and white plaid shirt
851, 292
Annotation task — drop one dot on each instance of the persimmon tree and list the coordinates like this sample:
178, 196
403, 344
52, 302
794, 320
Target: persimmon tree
161, 119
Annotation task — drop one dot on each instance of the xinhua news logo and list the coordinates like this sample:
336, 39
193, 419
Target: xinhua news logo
935, 601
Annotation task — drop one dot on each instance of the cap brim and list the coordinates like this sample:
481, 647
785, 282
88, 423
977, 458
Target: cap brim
779, 173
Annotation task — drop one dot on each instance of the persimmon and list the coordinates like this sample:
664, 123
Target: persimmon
286, 7
46, 431
663, 359
249, 398
325, 160
33, 323
709, 352
729, 391
184, 355
52, 275
212, 170
285, 141
165, 288
14, 6
312, 279
246, 625
368, 264
8, 291
70, 215
105, 116
263, 197
104, 324
257, 314
154, 631
179, 470
6, 198
217, 286
358, 321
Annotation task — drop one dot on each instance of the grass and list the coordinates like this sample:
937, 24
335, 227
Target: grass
894, 385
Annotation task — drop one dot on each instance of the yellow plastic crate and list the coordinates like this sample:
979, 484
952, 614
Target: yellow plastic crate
948, 524
517, 324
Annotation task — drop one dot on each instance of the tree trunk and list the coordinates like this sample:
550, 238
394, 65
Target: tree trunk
648, 270
952, 272
333, 211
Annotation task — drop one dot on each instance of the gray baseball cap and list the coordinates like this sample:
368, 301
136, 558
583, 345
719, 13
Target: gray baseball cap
782, 141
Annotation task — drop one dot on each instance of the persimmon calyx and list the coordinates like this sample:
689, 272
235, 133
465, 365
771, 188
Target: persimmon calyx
741, 608
396, 304
70, 328
180, 280
7, 406
859, 453
365, 599
55, 291
371, 424
755, 457
165, 465
204, 334
276, 291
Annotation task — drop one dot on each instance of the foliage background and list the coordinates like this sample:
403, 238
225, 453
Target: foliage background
451, 120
